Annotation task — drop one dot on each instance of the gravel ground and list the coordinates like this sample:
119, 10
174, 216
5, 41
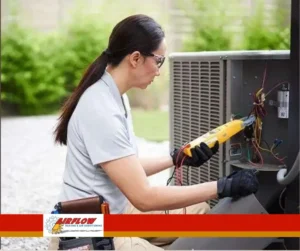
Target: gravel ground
32, 167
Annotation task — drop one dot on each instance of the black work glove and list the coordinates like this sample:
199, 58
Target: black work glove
238, 184
200, 154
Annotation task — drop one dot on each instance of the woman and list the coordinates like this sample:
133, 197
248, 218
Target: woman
96, 127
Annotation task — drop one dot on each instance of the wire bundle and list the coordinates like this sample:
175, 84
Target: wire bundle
177, 172
258, 110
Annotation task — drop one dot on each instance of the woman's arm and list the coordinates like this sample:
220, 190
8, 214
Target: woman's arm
200, 154
156, 164
130, 177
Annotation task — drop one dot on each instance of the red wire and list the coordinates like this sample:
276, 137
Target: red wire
275, 86
178, 168
181, 180
264, 79
260, 156
179, 171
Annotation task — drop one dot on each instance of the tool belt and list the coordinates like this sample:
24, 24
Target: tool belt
91, 205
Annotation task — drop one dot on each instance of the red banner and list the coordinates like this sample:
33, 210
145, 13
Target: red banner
21, 222
206, 222
24, 225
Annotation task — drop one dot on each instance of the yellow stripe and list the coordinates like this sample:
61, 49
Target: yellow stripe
21, 234
203, 234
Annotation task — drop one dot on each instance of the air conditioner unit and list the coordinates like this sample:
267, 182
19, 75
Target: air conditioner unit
208, 89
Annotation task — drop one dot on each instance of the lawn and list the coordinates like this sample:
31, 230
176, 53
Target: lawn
151, 125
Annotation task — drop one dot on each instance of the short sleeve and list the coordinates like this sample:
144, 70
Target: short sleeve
105, 135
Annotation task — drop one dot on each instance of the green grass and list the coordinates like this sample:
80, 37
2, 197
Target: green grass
152, 125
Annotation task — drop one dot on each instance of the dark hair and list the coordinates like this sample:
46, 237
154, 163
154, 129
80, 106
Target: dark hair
134, 33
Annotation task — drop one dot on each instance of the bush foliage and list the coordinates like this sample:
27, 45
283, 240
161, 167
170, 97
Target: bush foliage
39, 70
231, 25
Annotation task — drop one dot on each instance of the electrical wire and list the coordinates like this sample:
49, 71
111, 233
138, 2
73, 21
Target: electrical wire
280, 199
184, 209
178, 173
265, 75
266, 144
259, 112
261, 161
275, 86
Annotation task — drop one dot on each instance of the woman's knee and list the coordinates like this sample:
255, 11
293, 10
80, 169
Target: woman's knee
200, 208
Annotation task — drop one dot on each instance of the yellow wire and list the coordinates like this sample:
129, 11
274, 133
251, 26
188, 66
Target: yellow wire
257, 130
261, 148
259, 91
267, 150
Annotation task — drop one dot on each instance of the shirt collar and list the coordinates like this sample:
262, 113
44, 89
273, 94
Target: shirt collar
109, 81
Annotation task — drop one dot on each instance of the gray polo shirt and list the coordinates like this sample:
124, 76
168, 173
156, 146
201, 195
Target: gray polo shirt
99, 130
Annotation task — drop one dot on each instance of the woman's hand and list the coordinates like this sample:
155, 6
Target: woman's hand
238, 184
200, 155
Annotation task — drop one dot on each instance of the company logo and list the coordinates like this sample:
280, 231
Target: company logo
73, 225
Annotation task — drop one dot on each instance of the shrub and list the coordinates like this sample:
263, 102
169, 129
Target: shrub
83, 40
229, 26
266, 33
40, 70
210, 25
30, 83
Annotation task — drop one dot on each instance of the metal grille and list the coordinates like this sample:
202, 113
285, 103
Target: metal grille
197, 107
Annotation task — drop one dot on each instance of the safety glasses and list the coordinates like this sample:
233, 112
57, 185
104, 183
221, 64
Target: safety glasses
158, 58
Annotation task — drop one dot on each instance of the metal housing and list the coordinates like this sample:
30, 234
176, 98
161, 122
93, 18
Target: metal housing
207, 88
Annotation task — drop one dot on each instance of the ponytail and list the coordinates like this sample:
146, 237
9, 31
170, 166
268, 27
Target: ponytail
134, 33
92, 75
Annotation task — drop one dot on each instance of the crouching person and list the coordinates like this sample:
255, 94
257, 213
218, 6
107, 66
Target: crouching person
102, 156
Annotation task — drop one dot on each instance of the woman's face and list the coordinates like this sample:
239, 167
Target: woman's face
149, 67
